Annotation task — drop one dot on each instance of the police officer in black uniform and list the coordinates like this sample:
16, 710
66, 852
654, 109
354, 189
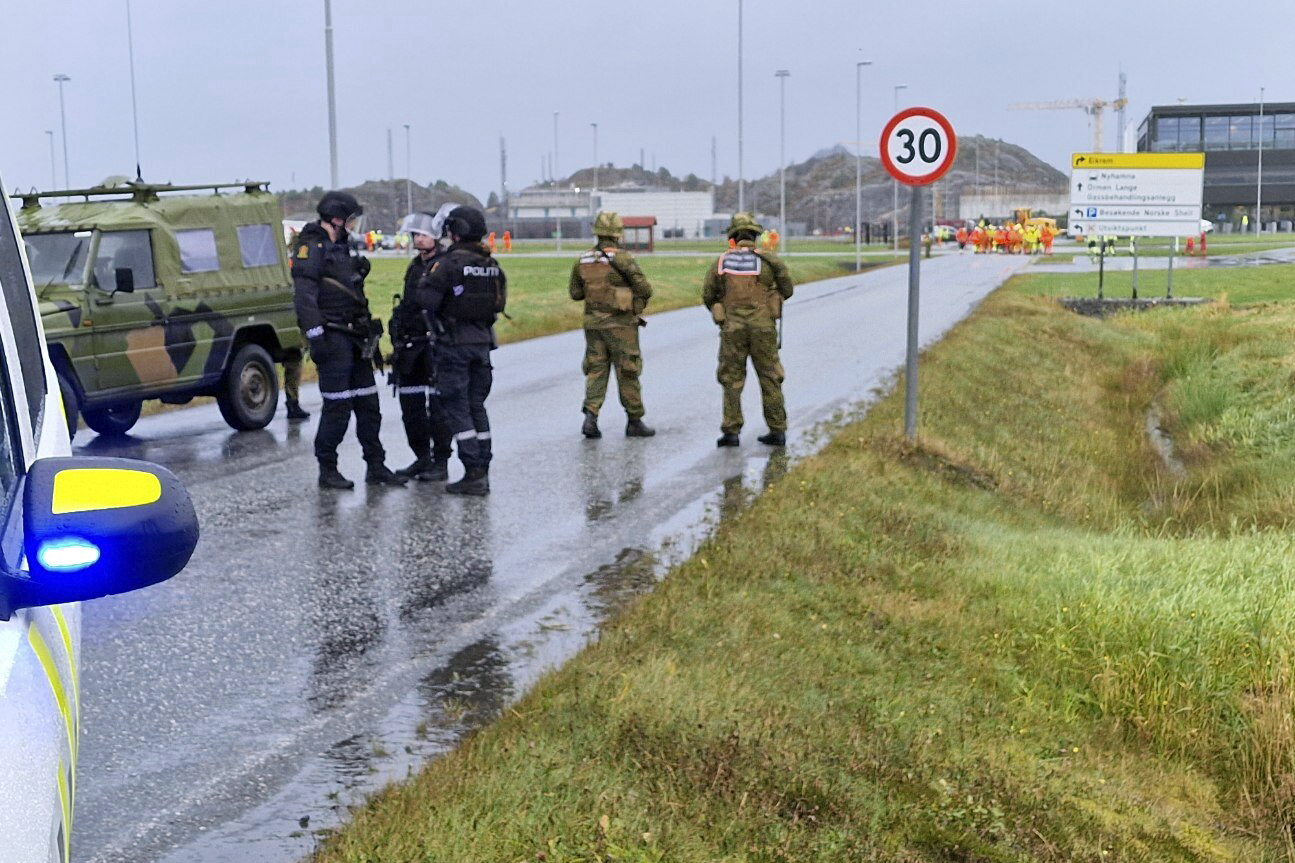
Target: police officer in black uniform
427, 427
328, 288
465, 292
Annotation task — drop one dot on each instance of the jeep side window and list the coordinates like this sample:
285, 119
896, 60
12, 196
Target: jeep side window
131, 250
26, 335
256, 242
198, 250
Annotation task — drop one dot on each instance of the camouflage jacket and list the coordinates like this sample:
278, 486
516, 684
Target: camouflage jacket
770, 273
621, 271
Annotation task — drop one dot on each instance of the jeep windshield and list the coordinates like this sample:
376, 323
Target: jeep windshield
58, 258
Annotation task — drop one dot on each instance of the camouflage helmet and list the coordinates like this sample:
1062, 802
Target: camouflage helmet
608, 224
744, 223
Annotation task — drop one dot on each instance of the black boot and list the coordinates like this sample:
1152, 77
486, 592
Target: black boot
419, 464
296, 413
773, 438
638, 428
380, 474
590, 428
436, 471
329, 477
476, 481
728, 439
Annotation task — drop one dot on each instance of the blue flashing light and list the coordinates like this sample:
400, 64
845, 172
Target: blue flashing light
67, 555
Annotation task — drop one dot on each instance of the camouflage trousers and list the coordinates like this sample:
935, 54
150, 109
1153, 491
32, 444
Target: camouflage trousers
761, 345
292, 375
619, 348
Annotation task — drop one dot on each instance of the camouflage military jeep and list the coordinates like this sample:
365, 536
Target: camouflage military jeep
155, 291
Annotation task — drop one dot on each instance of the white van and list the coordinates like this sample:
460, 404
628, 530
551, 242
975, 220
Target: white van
72, 529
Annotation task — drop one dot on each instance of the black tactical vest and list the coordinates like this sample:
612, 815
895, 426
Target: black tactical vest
476, 293
341, 286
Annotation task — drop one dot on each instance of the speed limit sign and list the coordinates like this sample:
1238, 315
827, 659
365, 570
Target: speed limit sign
918, 146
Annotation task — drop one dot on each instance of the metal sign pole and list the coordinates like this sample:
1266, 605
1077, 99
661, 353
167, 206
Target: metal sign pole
1101, 268
1169, 291
1134, 241
914, 280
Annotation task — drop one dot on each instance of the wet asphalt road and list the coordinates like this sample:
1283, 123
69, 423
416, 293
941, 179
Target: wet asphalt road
322, 644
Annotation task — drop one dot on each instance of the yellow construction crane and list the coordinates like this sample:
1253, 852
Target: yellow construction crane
1091, 107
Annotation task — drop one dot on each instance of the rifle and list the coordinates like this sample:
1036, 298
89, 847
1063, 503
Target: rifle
782, 312
397, 336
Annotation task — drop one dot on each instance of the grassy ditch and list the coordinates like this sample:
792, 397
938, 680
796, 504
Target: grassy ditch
1021, 639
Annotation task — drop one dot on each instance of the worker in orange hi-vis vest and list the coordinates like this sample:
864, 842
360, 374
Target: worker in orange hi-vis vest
490, 241
508, 241
1000, 239
1047, 236
960, 236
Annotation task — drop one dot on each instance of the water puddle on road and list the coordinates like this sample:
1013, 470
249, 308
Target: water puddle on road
481, 672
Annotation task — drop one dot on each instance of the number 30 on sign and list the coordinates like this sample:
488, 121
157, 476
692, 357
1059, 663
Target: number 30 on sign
918, 146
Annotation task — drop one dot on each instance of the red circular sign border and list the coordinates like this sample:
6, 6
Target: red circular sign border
948, 130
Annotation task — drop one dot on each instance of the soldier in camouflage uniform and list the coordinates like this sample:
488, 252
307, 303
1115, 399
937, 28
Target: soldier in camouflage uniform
615, 293
292, 386
745, 290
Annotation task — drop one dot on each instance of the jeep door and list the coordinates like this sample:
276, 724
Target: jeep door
127, 307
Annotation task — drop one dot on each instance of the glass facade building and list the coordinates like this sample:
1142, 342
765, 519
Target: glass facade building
1231, 137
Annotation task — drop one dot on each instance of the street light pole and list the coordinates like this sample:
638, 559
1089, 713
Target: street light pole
894, 185
741, 175
782, 75
332, 94
858, 163
62, 79
53, 171
556, 191
1259, 188
594, 190
409, 173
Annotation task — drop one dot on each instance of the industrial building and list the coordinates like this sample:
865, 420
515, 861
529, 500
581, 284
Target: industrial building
534, 212
1234, 138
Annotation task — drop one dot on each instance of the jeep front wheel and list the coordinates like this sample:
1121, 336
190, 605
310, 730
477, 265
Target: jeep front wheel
113, 421
71, 406
249, 392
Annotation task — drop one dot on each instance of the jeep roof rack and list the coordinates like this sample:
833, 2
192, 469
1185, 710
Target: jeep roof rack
140, 192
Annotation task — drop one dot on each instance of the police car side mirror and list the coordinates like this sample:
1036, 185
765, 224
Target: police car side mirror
94, 527
125, 277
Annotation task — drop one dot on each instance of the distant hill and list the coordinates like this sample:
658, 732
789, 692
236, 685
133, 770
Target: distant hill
820, 190
610, 176
383, 200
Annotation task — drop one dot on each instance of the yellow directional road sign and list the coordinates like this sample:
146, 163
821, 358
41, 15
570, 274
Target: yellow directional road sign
1138, 160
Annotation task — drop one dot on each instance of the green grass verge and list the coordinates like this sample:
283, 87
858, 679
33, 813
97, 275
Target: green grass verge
537, 288
1240, 285
1022, 639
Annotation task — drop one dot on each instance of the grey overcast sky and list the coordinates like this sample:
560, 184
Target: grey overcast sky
235, 88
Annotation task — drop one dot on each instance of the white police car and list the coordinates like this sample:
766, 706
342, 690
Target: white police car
72, 529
